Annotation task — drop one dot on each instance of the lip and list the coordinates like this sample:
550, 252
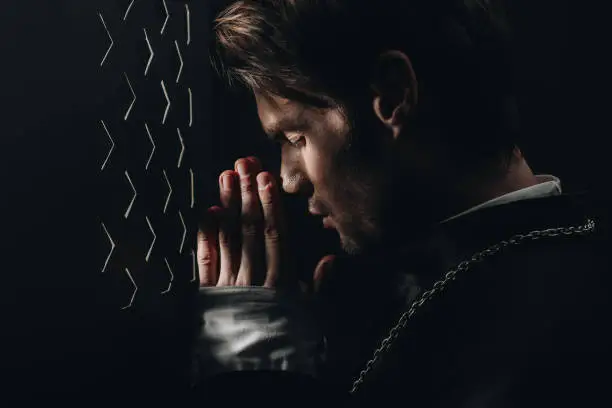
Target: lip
328, 223
327, 220
312, 211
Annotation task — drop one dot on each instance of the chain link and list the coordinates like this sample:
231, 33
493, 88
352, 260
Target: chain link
440, 285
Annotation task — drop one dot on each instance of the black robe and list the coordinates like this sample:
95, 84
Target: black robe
526, 326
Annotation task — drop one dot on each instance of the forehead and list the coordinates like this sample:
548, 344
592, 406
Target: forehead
278, 114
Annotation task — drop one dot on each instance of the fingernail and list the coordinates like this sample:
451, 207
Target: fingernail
226, 182
242, 168
263, 182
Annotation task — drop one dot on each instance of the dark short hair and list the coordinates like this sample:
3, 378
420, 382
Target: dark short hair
325, 51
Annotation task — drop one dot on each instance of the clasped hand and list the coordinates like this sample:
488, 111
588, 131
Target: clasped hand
234, 237
241, 242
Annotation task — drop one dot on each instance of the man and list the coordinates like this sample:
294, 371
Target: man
469, 281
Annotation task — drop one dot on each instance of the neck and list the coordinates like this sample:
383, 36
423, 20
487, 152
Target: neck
447, 196
479, 189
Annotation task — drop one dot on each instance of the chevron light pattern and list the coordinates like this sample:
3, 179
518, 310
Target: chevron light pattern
148, 207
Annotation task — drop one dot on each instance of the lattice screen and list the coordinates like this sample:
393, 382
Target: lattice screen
155, 59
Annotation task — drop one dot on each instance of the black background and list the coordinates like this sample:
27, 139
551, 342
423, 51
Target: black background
63, 326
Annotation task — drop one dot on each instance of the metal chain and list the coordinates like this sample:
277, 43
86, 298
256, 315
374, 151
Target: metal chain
441, 284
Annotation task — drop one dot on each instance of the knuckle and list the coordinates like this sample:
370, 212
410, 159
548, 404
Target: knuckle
205, 242
246, 186
249, 230
205, 259
272, 234
267, 201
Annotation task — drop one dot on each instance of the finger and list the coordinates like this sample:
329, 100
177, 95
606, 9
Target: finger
255, 164
207, 254
270, 199
251, 222
323, 268
228, 234
228, 191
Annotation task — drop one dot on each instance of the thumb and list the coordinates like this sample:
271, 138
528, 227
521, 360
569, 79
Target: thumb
324, 266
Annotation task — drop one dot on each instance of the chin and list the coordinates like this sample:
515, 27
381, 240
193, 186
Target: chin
349, 245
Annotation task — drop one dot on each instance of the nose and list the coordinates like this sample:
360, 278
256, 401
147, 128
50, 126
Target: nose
293, 182
296, 184
293, 179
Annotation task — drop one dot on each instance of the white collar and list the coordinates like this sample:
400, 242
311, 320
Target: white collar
548, 185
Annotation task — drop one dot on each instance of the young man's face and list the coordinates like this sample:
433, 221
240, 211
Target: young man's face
346, 187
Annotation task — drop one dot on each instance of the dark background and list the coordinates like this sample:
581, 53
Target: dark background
64, 326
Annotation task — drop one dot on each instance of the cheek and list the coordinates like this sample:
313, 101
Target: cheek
316, 165
328, 137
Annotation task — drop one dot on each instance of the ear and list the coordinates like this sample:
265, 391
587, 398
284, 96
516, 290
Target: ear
395, 89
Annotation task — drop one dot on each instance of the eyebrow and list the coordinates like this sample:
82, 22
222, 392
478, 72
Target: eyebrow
289, 123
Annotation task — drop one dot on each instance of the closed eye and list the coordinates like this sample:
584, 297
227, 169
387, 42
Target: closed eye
297, 142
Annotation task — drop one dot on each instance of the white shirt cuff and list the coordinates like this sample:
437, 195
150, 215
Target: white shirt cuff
255, 328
